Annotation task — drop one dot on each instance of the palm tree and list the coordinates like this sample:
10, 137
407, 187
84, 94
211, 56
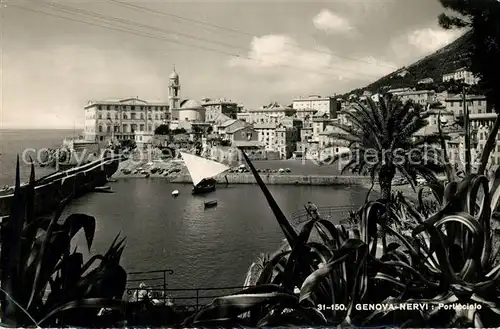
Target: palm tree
382, 139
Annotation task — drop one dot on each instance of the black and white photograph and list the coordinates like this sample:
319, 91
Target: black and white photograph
196, 164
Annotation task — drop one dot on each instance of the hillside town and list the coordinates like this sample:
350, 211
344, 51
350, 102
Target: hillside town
301, 130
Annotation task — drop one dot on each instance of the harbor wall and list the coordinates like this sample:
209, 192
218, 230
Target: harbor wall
284, 179
52, 189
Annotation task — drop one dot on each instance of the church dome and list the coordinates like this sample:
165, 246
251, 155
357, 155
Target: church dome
174, 75
191, 104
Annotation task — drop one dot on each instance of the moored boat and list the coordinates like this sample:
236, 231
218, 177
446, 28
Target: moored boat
211, 204
202, 172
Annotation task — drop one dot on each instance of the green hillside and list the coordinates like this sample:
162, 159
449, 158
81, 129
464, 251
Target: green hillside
445, 60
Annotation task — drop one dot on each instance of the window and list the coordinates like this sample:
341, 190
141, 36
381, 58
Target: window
100, 116
142, 116
100, 129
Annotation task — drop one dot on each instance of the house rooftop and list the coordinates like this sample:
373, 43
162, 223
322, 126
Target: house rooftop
125, 102
232, 131
227, 123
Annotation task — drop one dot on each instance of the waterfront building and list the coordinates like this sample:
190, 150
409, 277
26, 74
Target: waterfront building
216, 107
190, 111
245, 137
266, 134
286, 140
318, 126
461, 74
329, 145
110, 120
272, 113
308, 106
143, 139
229, 125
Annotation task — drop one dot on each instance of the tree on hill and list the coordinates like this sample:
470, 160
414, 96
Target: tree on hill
162, 130
382, 140
483, 17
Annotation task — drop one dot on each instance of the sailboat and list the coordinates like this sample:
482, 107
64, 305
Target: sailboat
202, 172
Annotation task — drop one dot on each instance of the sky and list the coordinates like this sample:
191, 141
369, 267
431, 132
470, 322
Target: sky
253, 53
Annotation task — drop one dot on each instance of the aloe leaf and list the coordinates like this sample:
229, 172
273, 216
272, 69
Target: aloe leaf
312, 281
229, 307
93, 303
285, 225
75, 222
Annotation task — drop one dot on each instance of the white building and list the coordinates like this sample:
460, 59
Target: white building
307, 106
462, 74
120, 119
266, 134
112, 120
272, 113
143, 139
422, 97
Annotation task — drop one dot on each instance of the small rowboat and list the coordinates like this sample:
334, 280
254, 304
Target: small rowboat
175, 193
211, 204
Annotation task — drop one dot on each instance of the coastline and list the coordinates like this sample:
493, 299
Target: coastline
269, 179
176, 172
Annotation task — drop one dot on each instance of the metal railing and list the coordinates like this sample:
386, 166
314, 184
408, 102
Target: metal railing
185, 299
327, 212
153, 284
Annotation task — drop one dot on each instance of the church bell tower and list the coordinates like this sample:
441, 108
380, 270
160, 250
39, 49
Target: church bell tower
174, 88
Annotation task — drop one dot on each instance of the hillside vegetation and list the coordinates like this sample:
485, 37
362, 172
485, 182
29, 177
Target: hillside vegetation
445, 60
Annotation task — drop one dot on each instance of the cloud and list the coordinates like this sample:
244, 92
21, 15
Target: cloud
429, 39
332, 23
423, 41
282, 65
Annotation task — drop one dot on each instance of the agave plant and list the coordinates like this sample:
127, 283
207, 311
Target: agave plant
47, 283
297, 279
453, 255
447, 259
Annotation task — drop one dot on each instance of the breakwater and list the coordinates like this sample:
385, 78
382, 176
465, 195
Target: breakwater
52, 189
282, 179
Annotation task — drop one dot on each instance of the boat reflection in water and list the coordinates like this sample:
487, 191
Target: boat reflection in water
202, 172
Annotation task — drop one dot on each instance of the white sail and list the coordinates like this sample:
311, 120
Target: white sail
201, 168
